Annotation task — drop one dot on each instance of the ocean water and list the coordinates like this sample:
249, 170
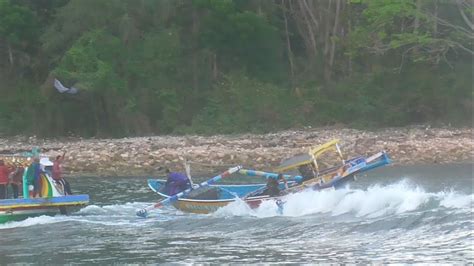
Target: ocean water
416, 214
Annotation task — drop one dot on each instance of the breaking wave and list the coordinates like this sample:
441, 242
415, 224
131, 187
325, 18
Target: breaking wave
35, 221
376, 201
110, 215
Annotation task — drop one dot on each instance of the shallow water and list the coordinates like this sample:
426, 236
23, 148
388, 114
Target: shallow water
417, 214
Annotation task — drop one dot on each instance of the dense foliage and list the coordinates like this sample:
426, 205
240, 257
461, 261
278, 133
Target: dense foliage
222, 66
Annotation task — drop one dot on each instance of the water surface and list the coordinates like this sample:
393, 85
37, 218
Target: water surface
416, 214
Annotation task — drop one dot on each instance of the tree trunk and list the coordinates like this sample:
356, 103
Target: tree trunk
333, 40
105, 113
416, 23
417, 17
312, 38
435, 21
10, 54
310, 13
349, 29
214, 67
288, 45
195, 28
259, 8
326, 31
463, 15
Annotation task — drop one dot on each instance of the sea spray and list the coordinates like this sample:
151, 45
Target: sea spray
376, 201
453, 200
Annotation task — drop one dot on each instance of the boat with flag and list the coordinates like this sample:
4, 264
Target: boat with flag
317, 169
52, 201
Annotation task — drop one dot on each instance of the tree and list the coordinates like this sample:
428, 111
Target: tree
412, 30
18, 30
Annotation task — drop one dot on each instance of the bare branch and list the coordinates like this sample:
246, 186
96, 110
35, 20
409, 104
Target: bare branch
463, 15
467, 32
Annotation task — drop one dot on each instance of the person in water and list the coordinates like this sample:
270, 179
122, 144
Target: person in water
4, 172
57, 174
273, 185
175, 182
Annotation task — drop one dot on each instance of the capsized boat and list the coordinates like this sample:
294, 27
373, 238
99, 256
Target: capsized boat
53, 200
313, 175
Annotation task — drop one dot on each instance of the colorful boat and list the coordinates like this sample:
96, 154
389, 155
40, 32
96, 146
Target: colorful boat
312, 176
20, 209
53, 200
206, 200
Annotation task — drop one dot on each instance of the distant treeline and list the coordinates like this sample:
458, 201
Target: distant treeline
222, 66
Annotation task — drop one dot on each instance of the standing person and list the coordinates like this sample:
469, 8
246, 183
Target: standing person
281, 178
57, 174
176, 182
16, 180
36, 178
273, 185
4, 171
272, 188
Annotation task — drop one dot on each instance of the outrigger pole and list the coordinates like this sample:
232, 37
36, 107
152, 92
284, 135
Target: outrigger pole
144, 212
187, 169
248, 172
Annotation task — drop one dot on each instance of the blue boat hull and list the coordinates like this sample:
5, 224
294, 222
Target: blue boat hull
19, 209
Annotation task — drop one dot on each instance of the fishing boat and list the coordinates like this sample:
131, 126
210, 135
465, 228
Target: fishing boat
312, 175
52, 202
213, 197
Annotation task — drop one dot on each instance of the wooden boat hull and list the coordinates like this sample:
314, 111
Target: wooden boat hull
249, 193
204, 206
210, 206
200, 206
20, 209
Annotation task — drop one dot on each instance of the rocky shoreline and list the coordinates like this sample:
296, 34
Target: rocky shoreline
140, 156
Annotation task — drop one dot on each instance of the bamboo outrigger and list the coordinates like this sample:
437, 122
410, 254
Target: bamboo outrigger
311, 176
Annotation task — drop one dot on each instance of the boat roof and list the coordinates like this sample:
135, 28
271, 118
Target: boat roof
24, 161
306, 158
331, 145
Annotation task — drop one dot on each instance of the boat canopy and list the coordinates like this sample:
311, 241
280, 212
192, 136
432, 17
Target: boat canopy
310, 157
23, 161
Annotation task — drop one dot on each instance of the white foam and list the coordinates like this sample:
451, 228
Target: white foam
452, 199
382, 200
376, 201
240, 208
112, 209
34, 221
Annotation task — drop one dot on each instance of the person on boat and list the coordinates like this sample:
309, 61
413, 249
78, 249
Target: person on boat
57, 174
34, 176
4, 172
175, 182
16, 179
308, 171
273, 185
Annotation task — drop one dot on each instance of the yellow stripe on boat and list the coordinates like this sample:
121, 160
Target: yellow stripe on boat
46, 189
44, 204
199, 207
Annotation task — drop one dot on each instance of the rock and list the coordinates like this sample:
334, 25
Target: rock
128, 156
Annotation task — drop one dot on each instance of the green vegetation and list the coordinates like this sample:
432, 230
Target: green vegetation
223, 66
